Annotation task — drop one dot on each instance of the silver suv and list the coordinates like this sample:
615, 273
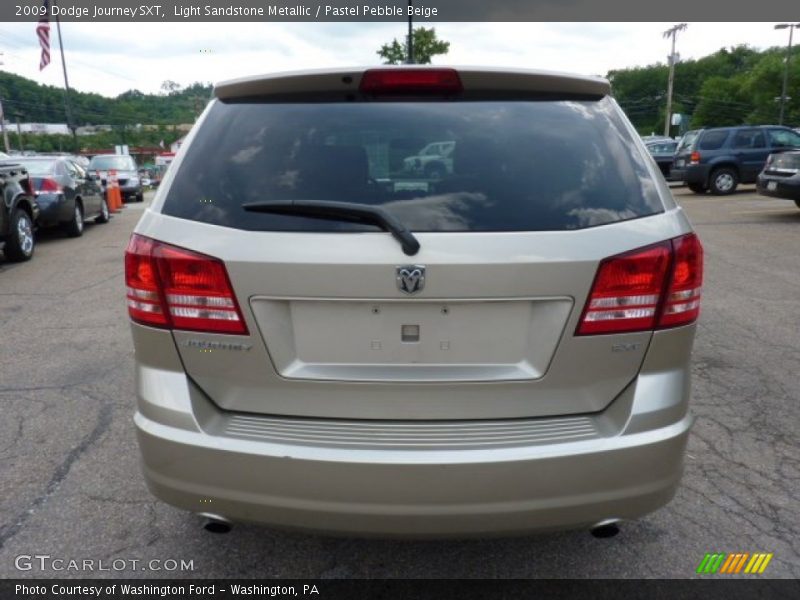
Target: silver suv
327, 341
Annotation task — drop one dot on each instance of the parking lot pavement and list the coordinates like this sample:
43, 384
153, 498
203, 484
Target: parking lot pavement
71, 486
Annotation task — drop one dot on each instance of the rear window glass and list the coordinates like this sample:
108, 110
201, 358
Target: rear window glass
687, 140
713, 140
788, 160
37, 167
104, 163
668, 148
437, 166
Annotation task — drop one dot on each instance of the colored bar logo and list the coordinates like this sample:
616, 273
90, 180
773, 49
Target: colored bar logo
735, 563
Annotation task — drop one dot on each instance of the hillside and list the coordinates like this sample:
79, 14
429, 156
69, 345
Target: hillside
38, 103
733, 86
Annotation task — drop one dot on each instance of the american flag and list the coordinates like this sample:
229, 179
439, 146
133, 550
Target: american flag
43, 32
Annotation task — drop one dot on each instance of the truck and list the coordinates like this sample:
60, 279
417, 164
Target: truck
18, 212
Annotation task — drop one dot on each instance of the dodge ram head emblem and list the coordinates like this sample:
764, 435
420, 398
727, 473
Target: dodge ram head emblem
411, 278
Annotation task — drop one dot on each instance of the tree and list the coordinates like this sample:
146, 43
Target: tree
170, 88
426, 46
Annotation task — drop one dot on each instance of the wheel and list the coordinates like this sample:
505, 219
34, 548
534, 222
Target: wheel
140, 197
20, 242
797, 202
723, 181
698, 188
103, 218
75, 227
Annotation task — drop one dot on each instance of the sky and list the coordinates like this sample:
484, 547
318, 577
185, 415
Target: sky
110, 58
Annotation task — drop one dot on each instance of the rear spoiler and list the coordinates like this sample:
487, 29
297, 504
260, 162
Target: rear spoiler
474, 80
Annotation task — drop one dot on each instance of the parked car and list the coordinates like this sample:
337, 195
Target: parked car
781, 177
18, 213
67, 195
434, 161
649, 139
130, 186
721, 158
663, 152
502, 350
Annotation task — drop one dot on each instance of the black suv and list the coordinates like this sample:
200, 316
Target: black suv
18, 213
721, 158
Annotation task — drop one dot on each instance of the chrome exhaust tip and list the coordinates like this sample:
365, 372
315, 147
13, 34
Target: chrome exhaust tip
607, 528
216, 523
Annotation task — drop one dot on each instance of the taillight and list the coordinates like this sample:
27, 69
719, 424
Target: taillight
411, 81
682, 302
179, 289
654, 287
694, 158
48, 186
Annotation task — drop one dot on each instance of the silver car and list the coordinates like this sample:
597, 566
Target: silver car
326, 342
105, 166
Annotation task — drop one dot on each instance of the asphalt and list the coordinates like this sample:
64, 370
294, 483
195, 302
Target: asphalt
70, 484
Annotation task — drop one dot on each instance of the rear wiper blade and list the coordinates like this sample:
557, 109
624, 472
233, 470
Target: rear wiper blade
341, 211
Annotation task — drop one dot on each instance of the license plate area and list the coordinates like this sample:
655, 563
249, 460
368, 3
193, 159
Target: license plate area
423, 340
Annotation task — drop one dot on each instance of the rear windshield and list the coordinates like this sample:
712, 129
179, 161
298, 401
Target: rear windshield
788, 160
37, 167
687, 140
104, 163
437, 166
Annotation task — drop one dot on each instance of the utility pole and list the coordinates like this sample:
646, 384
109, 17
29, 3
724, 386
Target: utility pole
671, 32
67, 111
3, 117
3, 127
784, 98
19, 133
410, 57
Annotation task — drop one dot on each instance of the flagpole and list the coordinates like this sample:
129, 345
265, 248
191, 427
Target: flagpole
67, 110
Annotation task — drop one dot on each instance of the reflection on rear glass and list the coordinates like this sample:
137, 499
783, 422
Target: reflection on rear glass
437, 166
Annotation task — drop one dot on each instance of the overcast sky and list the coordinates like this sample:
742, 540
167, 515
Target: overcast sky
110, 58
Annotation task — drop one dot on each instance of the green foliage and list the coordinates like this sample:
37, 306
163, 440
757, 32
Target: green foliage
32, 102
106, 139
426, 46
733, 86
29, 101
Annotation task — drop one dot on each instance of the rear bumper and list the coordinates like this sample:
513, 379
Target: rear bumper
785, 187
695, 174
406, 493
340, 477
130, 191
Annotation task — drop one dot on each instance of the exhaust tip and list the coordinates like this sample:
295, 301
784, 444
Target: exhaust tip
216, 523
605, 529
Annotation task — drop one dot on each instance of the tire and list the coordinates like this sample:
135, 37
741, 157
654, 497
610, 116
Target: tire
698, 188
104, 214
723, 181
797, 202
20, 242
75, 227
140, 197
